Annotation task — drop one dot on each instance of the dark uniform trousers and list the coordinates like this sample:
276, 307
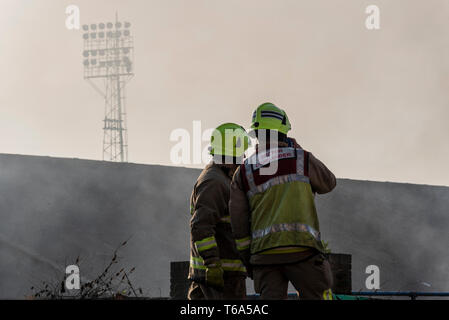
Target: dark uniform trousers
312, 278
234, 289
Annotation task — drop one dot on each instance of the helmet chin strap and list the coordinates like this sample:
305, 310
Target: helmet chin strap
281, 137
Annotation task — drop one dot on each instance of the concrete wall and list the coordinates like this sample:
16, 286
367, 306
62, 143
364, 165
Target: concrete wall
53, 210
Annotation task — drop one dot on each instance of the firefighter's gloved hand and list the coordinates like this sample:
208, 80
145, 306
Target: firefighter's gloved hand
214, 276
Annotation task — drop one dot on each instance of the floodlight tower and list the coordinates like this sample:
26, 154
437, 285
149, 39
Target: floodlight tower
108, 67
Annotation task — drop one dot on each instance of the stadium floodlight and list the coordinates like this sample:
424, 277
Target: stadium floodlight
127, 62
107, 59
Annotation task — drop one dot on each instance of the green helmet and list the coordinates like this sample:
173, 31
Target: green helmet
268, 116
229, 139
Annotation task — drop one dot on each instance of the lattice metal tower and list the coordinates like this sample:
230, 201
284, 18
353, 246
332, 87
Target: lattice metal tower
108, 67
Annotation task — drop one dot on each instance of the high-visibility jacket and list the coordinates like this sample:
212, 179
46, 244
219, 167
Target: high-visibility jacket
283, 212
211, 233
278, 217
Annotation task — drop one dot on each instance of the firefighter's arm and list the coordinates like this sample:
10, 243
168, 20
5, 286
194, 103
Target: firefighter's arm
321, 178
240, 219
206, 214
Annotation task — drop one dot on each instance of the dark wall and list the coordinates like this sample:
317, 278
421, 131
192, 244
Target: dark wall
53, 210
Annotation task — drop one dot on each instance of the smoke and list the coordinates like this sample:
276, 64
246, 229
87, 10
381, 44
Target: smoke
372, 104
54, 210
347, 90
398, 227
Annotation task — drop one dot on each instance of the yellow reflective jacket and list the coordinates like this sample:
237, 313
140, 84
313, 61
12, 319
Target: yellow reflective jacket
274, 212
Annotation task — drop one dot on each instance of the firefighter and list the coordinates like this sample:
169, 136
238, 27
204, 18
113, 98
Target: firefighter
273, 214
216, 269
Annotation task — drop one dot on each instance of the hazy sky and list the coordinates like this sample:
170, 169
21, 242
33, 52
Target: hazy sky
372, 105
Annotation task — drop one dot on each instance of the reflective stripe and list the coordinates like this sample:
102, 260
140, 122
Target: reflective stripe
261, 159
300, 161
327, 294
232, 265
300, 227
283, 153
226, 264
285, 250
243, 244
226, 219
197, 263
205, 244
276, 181
271, 114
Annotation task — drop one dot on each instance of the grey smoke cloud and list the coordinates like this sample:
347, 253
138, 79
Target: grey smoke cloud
373, 104
54, 210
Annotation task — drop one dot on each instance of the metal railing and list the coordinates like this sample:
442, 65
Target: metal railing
355, 294
411, 294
